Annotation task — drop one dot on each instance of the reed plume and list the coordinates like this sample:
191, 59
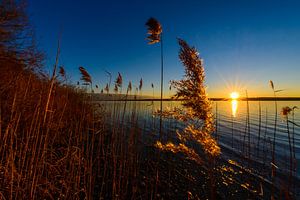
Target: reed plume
141, 84
119, 80
197, 112
271, 84
154, 30
62, 72
85, 76
197, 108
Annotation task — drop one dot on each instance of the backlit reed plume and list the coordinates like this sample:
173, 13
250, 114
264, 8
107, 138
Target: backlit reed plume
197, 108
141, 84
85, 76
155, 36
191, 154
152, 86
154, 30
119, 80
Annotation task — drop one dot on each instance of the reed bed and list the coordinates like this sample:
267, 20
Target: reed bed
61, 141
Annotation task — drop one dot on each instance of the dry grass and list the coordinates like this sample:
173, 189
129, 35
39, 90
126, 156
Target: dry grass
64, 151
45, 153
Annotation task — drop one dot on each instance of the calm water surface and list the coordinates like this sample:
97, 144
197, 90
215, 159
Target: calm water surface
242, 129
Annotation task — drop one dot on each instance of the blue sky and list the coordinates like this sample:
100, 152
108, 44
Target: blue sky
244, 43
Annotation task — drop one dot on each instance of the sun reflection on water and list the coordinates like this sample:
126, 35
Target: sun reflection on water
234, 106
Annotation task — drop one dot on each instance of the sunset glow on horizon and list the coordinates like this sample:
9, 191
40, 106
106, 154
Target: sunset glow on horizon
240, 50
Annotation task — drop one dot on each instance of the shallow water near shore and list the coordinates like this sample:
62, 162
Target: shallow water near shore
245, 131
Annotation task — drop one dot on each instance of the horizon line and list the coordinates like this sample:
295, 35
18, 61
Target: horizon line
141, 98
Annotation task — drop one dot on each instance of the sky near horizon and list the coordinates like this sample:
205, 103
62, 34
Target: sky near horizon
244, 43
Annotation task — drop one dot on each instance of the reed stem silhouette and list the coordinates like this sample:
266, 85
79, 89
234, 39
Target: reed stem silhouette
259, 128
273, 164
293, 137
285, 113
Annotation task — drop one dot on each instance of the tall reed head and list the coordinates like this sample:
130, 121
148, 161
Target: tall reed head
192, 88
285, 111
154, 30
141, 84
119, 80
85, 76
271, 84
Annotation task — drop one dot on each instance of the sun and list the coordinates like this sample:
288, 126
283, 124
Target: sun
234, 95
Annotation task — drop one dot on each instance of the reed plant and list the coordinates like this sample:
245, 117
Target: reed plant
248, 129
47, 140
196, 112
285, 114
273, 163
155, 36
259, 128
293, 137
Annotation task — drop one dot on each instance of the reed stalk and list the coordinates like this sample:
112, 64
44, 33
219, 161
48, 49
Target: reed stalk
293, 137
273, 164
285, 113
259, 128
248, 129
155, 36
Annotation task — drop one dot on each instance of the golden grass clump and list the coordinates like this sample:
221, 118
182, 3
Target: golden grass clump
208, 143
181, 148
45, 159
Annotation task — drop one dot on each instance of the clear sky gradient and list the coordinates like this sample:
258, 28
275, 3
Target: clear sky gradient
244, 43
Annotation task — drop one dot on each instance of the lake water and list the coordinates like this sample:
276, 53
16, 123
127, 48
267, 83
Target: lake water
244, 130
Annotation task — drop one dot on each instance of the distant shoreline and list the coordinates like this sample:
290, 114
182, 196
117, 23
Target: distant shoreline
212, 99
